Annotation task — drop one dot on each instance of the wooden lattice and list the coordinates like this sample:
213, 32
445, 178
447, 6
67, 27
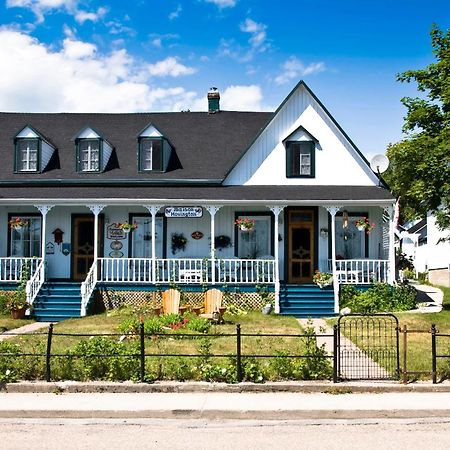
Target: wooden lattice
244, 300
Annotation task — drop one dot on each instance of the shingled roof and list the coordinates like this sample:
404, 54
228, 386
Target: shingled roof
206, 145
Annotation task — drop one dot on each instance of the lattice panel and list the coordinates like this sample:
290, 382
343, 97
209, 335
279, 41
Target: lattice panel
244, 300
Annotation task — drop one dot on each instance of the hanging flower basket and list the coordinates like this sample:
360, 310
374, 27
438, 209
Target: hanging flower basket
127, 227
18, 223
221, 242
179, 242
364, 225
245, 224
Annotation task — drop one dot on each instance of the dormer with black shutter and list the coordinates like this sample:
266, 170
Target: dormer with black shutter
92, 151
32, 151
154, 150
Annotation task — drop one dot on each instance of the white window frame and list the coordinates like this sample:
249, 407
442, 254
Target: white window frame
146, 154
93, 165
16, 236
27, 152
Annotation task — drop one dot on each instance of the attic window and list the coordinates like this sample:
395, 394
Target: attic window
151, 154
300, 159
27, 152
89, 155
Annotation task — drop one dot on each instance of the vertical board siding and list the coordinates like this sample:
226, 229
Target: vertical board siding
46, 154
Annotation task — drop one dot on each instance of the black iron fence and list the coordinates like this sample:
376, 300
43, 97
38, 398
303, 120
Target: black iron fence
142, 352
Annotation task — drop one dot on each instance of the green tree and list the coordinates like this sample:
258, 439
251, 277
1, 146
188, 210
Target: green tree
419, 171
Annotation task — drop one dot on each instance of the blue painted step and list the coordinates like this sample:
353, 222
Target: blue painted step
57, 301
306, 300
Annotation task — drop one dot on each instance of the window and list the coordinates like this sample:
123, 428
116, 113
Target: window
151, 154
141, 238
25, 242
258, 242
89, 155
300, 159
27, 155
350, 242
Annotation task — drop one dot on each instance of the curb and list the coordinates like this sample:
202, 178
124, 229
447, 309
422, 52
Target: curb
72, 387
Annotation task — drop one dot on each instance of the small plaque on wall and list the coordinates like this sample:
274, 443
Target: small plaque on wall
183, 211
49, 249
113, 232
65, 249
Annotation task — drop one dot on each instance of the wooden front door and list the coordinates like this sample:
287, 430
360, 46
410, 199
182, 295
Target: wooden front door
301, 246
83, 245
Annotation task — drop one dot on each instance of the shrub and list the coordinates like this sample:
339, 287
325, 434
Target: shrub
4, 304
153, 325
199, 324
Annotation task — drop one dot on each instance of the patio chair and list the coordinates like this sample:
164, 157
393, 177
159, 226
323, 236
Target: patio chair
213, 309
171, 301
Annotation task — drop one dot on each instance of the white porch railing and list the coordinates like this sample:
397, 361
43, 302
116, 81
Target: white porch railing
35, 283
186, 270
361, 271
87, 287
11, 268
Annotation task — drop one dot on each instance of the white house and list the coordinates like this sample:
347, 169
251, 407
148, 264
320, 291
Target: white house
184, 179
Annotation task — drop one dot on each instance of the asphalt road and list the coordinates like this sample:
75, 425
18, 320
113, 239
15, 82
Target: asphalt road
71, 434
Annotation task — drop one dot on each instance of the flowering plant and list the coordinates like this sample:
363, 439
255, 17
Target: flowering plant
18, 222
323, 279
127, 226
245, 224
364, 224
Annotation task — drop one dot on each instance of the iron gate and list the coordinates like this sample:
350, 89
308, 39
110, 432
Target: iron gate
368, 347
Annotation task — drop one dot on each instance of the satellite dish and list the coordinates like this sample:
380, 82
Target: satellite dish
379, 164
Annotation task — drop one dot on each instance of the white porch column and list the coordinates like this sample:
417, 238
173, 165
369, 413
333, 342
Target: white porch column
332, 210
213, 209
276, 210
153, 210
391, 275
96, 210
44, 209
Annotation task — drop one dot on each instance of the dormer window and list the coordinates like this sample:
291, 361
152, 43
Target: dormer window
32, 151
93, 151
89, 155
154, 150
151, 154
27, 155
300, 159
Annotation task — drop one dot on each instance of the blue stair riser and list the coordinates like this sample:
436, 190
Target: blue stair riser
57, 301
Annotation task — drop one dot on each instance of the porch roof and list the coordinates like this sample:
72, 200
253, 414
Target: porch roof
199, 194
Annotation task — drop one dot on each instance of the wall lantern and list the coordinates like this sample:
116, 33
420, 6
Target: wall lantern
324, 232
344, 219
58, 233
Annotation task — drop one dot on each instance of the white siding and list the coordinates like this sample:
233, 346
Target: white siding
88, 133
46, 153
107, 150
439, 252
337, 162
151, 131
27, 132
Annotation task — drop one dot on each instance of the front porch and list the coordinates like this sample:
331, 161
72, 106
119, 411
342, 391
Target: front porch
287, 245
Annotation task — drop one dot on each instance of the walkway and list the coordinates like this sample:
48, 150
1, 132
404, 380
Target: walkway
30, 328
354, 363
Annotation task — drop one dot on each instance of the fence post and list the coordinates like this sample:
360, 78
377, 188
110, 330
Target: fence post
142, 351
433, 354
48, 353
335, 354
238, 353
405, 353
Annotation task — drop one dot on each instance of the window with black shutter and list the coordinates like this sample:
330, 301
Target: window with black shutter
300, 159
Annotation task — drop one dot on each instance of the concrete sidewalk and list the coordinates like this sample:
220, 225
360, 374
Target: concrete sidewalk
216, 405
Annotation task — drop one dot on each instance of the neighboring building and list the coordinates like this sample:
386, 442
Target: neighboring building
429, 251
184, 179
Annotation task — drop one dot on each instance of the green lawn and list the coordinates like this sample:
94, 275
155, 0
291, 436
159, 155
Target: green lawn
7, 323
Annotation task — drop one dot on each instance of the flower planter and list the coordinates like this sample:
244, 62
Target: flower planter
156, 310
325, 284
244, 228
360, 227
18, 313
126, 230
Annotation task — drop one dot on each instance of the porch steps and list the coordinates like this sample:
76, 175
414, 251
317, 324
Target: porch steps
306, 300
57, 301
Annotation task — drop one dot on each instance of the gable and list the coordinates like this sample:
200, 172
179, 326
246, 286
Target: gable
302, 117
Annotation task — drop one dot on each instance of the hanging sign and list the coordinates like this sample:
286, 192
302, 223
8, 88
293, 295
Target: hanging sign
183, 211
114, 232
49, 249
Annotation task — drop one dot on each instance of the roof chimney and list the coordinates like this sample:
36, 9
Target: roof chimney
213, 101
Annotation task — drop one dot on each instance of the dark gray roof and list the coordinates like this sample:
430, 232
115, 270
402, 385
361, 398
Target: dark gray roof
206, 145
277, 193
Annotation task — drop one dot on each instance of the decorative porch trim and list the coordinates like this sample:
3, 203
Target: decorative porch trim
96, 210
153, 210
333, 210
43, 209
213, 210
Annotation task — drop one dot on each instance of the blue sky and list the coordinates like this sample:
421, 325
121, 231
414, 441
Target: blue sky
163, 55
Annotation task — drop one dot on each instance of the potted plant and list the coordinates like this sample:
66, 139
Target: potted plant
222, 241
179, 242
323, 279
363, 224
18, 223
245, 224
17, 304
127, 227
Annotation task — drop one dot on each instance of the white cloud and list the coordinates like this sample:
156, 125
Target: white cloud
293, 68
34, 77
242, 98
83, 16
175, 14
169, 67
258, 34
41, 7
223, 3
